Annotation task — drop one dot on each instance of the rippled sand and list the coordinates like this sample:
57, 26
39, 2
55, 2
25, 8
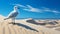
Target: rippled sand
23, 27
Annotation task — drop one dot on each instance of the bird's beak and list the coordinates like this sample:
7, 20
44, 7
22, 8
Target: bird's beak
18, 8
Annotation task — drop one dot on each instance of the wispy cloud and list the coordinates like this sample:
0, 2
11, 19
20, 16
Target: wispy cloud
56, 11
50, 10
32, 9
20, 5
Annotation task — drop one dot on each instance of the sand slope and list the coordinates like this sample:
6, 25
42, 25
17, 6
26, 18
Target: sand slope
23, 27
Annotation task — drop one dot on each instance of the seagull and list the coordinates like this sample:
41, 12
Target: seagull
13, 14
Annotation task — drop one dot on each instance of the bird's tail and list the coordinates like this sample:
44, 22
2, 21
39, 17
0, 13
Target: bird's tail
6, 18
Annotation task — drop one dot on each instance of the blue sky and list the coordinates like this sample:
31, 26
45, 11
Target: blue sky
35, 8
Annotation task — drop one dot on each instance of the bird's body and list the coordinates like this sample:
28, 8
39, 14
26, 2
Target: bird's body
13, 14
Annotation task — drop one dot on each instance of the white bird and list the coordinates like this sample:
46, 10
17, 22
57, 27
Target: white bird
13, 14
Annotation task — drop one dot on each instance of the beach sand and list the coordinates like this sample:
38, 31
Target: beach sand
23, 27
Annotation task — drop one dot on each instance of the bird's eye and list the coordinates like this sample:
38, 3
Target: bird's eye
18, 8
15, 7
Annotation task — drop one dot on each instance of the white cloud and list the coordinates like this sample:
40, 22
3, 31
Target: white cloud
32, 9
49, 10
56, 12
20, 5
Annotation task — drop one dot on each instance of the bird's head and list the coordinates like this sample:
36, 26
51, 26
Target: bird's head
16, 7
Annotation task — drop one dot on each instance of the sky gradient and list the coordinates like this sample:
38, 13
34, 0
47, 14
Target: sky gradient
35, 8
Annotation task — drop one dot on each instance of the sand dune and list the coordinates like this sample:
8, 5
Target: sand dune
23, 27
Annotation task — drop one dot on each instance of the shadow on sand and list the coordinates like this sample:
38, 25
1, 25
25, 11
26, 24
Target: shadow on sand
34, 22
25, 26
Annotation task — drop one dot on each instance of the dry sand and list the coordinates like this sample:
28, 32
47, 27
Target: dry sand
23, 27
